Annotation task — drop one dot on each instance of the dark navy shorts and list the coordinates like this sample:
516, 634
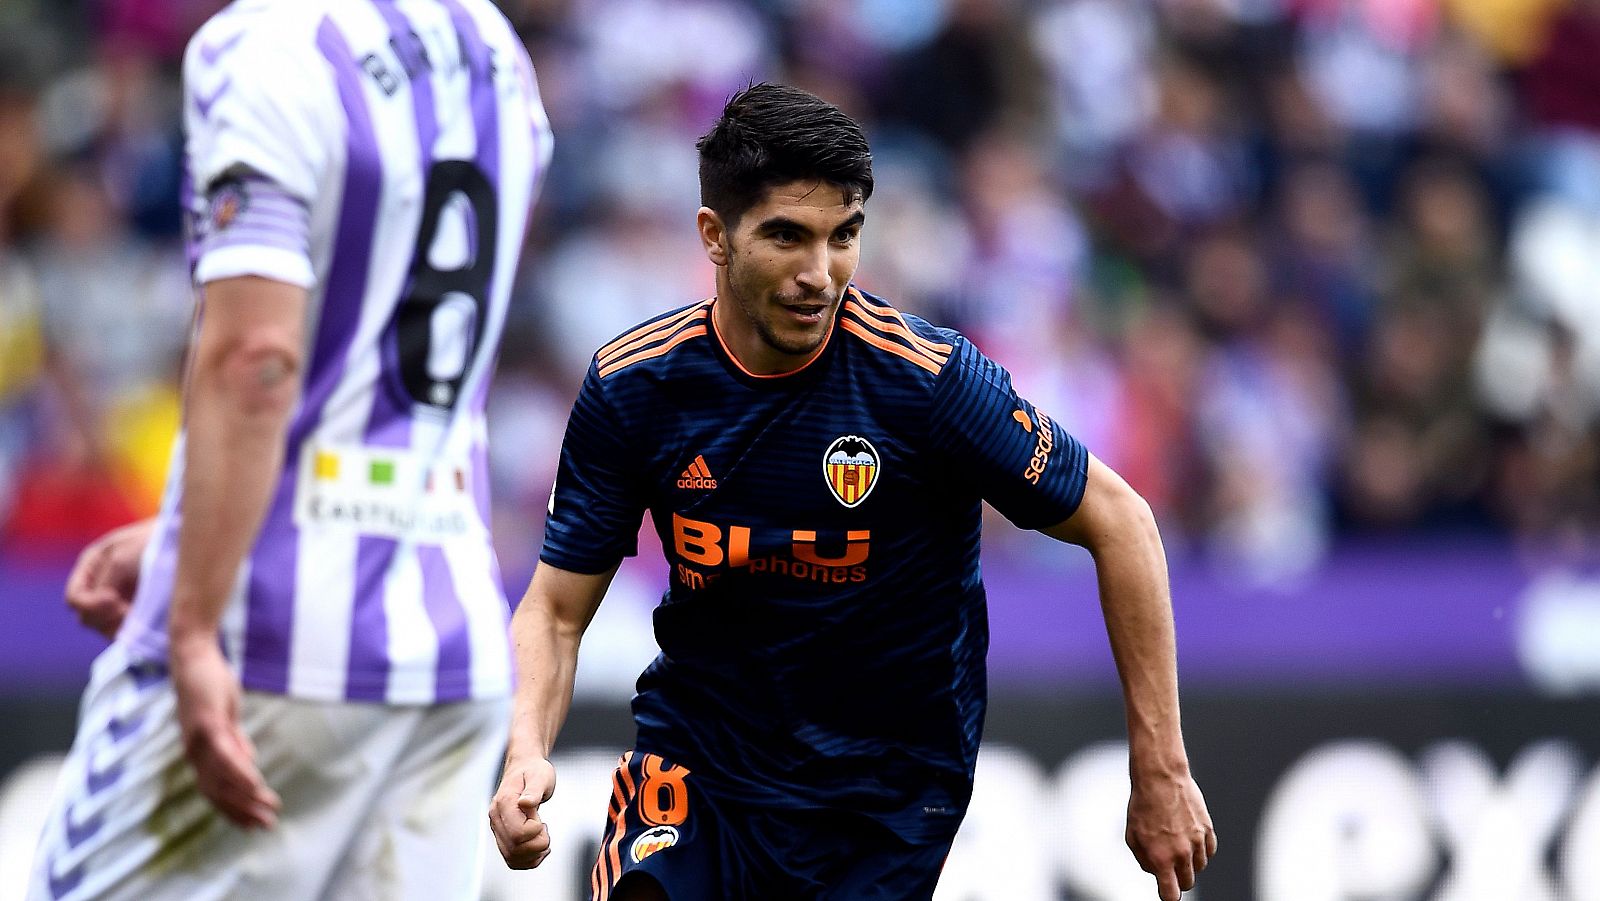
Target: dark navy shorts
703, 847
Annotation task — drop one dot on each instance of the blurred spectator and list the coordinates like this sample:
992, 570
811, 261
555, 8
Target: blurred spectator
1190, 161
1512, 30
21, 364
1102, 87
970, 77
1268, 412
1159, 451
1323, 253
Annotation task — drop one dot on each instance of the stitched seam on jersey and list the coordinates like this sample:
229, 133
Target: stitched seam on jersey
890, 328
647, 333
900, 350
888, 312
693, 331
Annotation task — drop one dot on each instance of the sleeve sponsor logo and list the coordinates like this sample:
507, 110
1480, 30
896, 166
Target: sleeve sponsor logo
1042, 449
850, 466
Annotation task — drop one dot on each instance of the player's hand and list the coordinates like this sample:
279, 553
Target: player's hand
100, 588
215, 745
514, 813
1170, 831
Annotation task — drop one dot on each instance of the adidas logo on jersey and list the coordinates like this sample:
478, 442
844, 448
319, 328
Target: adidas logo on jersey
697, 477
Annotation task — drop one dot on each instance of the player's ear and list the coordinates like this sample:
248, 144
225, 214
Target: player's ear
713, 235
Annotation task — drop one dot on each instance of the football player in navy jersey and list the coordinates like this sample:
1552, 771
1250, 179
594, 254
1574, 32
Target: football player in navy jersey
815, 464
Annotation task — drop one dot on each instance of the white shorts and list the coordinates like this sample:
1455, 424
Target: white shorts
379, 802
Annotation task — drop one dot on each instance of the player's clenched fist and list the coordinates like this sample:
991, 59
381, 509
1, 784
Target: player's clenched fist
514, 814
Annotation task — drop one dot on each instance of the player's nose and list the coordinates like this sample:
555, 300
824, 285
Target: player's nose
813, 276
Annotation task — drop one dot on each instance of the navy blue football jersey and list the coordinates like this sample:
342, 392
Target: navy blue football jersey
824, 629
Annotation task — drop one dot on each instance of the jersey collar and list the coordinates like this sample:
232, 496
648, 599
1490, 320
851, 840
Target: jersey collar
801, 373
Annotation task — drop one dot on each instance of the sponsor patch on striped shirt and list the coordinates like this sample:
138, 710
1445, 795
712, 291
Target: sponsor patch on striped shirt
386, 492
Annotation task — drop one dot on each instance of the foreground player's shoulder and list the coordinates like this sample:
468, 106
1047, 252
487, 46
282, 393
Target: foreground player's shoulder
255, 34
257, 99
898, 340
651, 345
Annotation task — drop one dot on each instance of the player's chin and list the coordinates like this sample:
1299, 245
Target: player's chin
796, 342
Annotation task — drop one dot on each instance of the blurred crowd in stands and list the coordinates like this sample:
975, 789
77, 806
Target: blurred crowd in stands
1300, 269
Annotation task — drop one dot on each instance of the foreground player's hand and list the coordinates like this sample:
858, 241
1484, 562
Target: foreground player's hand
514, 813
1170, 831
215, 745
100, 588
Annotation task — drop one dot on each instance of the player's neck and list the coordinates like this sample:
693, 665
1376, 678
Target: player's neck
744, 343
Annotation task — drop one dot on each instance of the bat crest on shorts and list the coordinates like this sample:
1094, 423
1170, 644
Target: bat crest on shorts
658, 839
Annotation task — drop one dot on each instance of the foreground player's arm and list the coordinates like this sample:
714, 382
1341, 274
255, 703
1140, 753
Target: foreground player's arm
545, 632
1169, 829
243, 386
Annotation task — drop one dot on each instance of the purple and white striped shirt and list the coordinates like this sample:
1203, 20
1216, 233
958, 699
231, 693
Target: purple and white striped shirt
383, 154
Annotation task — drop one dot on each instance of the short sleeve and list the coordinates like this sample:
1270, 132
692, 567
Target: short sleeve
262, 126
1014, 455
597, 504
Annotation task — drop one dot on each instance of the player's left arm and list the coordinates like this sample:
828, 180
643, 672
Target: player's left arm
1169, 828
243, 386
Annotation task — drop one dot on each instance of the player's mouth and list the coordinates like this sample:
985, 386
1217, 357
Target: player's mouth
807, 314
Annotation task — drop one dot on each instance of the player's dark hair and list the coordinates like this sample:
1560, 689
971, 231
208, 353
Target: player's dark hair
769, 134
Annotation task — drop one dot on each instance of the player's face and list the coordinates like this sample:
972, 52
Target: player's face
782, 270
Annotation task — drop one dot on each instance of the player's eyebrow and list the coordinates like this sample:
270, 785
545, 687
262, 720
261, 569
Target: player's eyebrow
784, 223
856, 220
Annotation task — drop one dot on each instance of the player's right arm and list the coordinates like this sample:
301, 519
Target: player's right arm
545, 632
595, 509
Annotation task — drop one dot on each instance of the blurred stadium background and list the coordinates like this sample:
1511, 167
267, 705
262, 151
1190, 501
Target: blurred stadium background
1321, 277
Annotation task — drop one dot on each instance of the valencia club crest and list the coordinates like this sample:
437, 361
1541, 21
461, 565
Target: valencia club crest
851, 469
658, 839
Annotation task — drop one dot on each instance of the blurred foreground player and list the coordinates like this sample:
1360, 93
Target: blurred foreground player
309, 694
815, 463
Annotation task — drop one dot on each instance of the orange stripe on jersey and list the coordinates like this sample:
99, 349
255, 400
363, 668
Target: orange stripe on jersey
899, 350
693, 331
640, 337
888, 313
889, 327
